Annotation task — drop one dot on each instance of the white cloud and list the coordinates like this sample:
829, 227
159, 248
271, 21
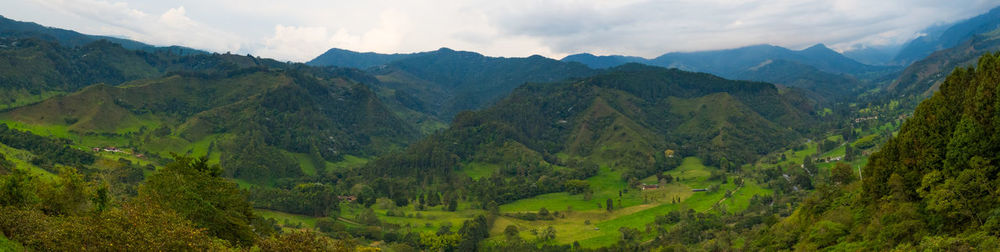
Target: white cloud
172, 27
300, 30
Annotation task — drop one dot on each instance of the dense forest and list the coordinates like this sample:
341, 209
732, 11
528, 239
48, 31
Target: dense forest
932, 187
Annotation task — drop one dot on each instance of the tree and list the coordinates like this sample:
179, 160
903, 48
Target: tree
71, 196
576, 186
897, 188
368, 217
547, 234
511, 233
452, 204
609, 204
196, 191
433, 199
630, 237
841, 173
18, 189
366, 195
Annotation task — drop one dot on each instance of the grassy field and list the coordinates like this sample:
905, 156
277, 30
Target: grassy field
606, 185
580, 220
21, 160
638, 208
476, 170
348, 162
8, 245
307, 222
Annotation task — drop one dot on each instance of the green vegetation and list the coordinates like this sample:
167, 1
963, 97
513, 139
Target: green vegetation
926, 189
229, 152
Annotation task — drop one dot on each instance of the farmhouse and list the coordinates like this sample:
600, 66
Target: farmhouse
650, 187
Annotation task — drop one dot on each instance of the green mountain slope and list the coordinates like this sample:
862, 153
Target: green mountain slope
445, 82
250, 115
826, 86
924, 77
940, 38
345, 58
18, 30
932, 187
625, 118
829, 74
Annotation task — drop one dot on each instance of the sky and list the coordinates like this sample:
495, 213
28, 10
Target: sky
299, 30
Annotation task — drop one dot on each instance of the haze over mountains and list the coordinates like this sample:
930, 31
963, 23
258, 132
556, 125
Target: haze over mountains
752, 148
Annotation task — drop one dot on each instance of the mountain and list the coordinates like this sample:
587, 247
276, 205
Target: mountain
16, 29
34, 69
625, 118
825, 86
937, 39
345, 58
599, 62
924, 77
727, 63
257, 117
931, 187
445, 82
874, 55
800, 69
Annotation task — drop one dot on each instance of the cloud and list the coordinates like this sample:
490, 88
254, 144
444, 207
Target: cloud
301, 30
172, 27
306, 42
650, 28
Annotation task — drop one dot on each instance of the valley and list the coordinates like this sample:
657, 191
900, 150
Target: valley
113, 144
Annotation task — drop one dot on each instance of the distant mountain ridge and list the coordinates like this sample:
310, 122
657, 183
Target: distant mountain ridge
744, 63
17, 29
445, 82
346, 58
728, 63
923, 77
938, 39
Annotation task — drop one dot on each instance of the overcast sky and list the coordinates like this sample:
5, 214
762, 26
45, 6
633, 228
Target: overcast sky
301, 30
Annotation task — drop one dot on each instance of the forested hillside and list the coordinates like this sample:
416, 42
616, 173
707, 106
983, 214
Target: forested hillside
828, 75
932, 187
344, 58
444, 82
925, 76
248, 112
111, 144
625, 118
950, 36
18, 30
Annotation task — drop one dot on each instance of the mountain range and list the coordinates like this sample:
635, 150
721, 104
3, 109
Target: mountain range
16, 29
752, 148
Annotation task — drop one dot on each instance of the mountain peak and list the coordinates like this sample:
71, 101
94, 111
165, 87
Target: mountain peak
819, 47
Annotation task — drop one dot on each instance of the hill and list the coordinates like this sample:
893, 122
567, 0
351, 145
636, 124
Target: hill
939, 38
599, 62
823, 86
625, 118
445, 82
874, 55
929, 188
727, 63
346, 58
18, 30
807, 68
248, 113
925, 76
